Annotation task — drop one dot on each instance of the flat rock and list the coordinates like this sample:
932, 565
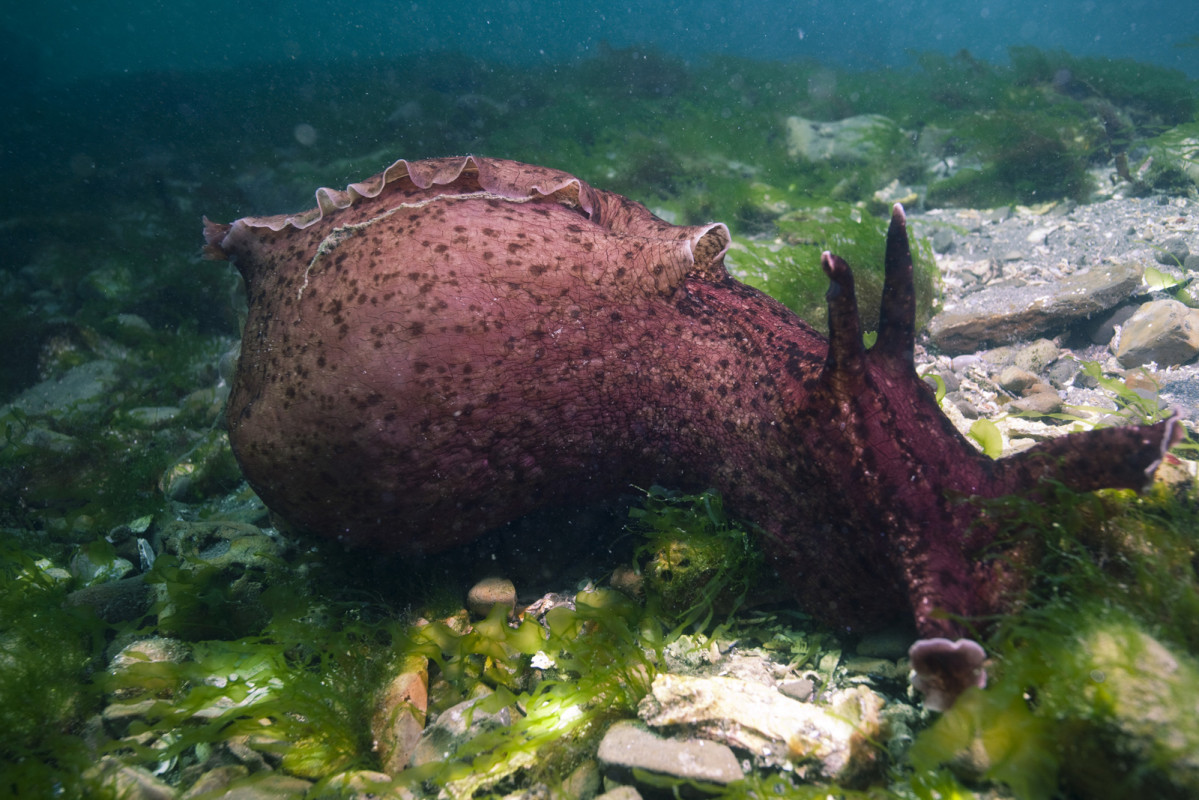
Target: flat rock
851, 139
831, 739
79, 389
1005, 314
628, 746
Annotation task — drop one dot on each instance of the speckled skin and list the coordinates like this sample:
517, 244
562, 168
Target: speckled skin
456, 342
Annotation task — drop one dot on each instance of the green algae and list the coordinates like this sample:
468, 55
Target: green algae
695, 560
789, 270
1082, 677
1026, 157
48, 650
302, 684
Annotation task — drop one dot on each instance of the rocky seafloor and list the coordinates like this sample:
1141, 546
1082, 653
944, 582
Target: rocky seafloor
163, 637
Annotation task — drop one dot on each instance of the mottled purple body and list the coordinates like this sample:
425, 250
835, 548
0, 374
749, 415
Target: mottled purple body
456, 342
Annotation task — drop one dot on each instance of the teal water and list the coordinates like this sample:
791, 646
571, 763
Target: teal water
73, 40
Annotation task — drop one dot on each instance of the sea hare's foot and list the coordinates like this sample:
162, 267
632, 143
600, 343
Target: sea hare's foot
942, 669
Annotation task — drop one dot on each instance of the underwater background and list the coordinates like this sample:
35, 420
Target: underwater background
71, 40
160, 636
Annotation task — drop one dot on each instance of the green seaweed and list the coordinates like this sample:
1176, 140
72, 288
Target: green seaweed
1026, 157
1160, 95
790, 271
1112, 615
47, 652
696, 561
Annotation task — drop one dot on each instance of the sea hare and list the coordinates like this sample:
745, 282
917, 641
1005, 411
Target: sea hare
453, 343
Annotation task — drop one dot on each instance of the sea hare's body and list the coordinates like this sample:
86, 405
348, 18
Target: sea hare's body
456, 342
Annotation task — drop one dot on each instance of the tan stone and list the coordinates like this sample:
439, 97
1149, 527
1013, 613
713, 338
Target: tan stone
489, 593
1164, 331
399, 717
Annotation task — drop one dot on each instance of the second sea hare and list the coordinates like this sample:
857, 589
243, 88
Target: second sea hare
453, 343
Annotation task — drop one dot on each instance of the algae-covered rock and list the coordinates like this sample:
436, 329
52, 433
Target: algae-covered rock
1143, 737
866, 137
1110, 714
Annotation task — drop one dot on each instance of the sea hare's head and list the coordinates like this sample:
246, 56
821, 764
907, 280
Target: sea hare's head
942, 669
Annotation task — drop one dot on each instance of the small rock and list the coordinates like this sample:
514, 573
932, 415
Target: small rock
960, 363
1143, 382
137, 670
399, 717
360, 785
628, 746
489, 593
1172, 252
1003, 356
112, 778
96, 567
1037, 356
1164, 331
800, 689
216, 780
1039, 403
1016, 380
582, 783
117, 601
454, 727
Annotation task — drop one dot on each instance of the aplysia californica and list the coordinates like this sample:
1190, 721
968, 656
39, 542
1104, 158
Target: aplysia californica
455, 342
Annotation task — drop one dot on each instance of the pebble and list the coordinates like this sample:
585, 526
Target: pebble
1039, 403
1173, 252
1037, 356
489, 593
621, 793
1016, 380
